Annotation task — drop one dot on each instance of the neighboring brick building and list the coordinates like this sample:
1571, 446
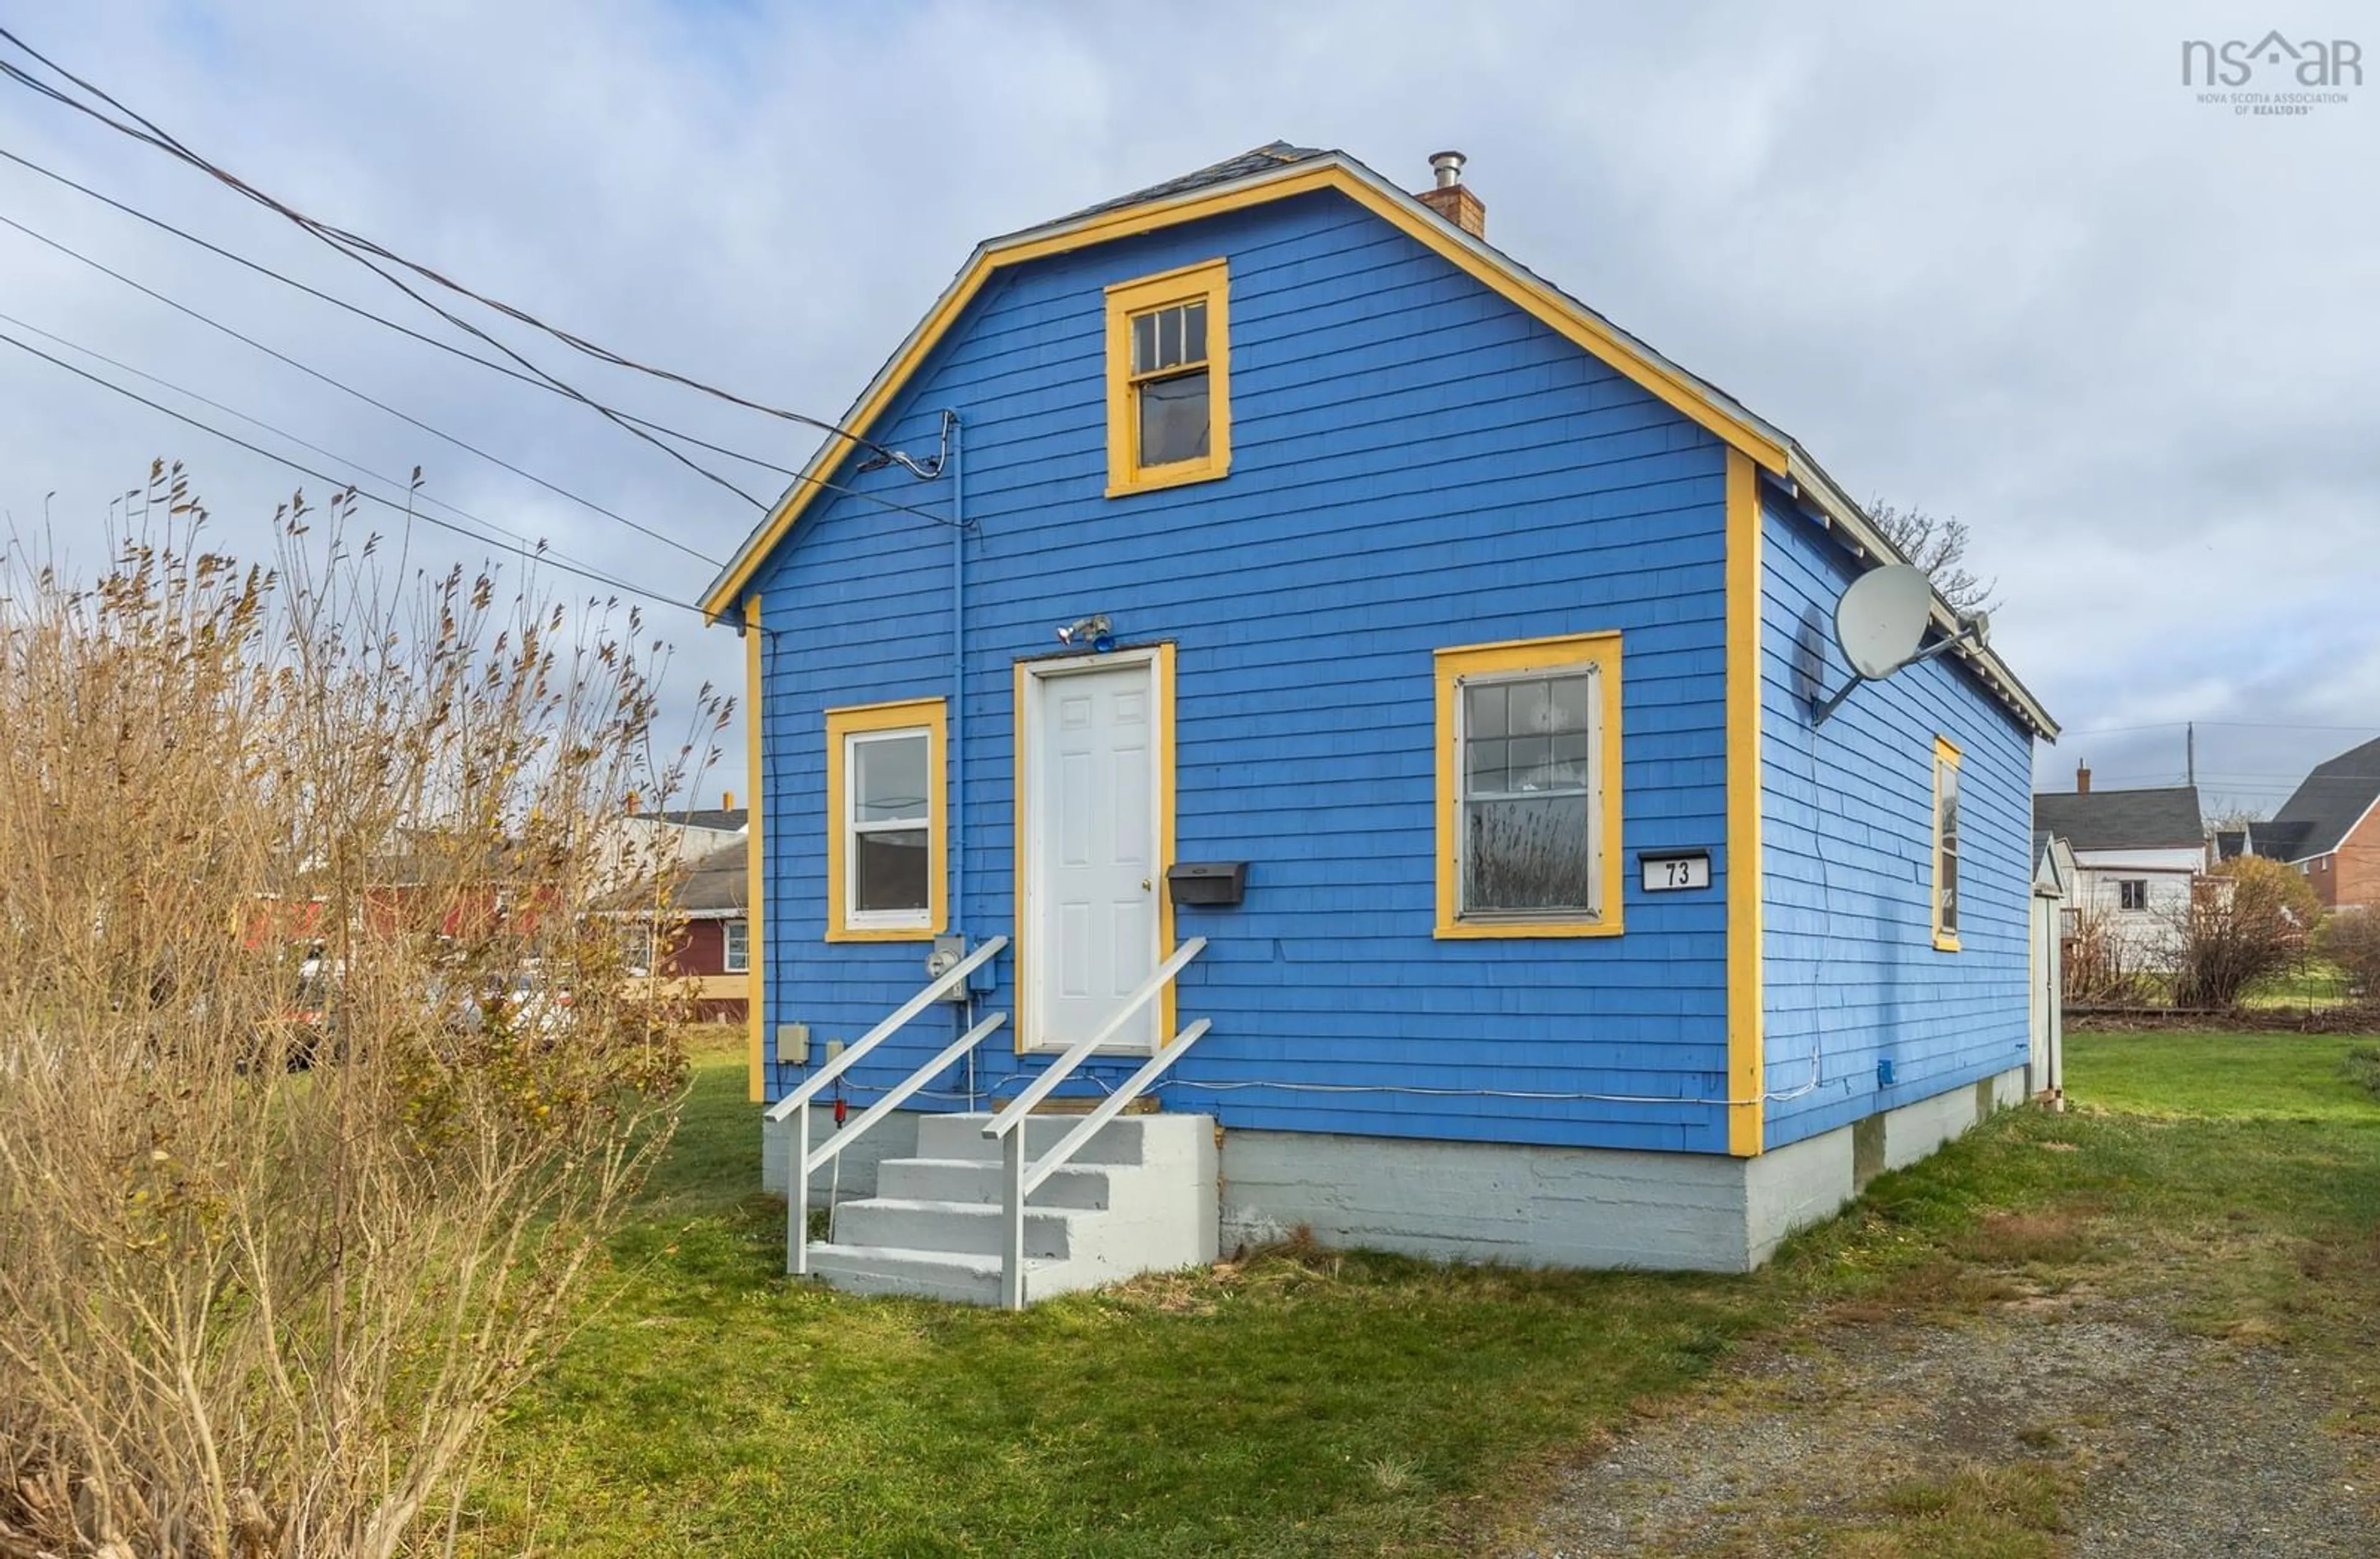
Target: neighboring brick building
2331, 830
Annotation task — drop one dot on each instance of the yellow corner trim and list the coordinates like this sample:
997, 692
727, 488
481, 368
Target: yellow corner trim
1746, 995
926, 714
1599, 649
756, 1027
1208, 282
1945, 756
1565, 318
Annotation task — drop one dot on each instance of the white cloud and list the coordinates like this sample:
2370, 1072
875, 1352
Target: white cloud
1997, 263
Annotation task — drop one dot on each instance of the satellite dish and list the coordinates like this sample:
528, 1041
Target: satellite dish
1881, 618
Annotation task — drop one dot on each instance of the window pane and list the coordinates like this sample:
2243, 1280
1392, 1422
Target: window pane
1570, 759
1174, 418
1531, 761
1486, 764
1529, 853
737, 953
890, 871
889, 781
1194, 333
1144, 343
1950, 801
1532, 708
1569, 703
1484, 712
1169, 338
1950, 892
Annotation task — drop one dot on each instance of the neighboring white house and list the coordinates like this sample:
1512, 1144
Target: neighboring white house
2136, 854
637, 844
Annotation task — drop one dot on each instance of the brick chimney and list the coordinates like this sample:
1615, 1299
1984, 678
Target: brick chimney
1452, 199
2082, 779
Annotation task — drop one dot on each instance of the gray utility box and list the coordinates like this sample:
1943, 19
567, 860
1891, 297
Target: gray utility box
1208, 885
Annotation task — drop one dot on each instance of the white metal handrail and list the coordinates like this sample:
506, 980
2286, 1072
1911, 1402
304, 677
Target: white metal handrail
1008, 1120
813, 1160
802, 1161
1019, 1180
943, 986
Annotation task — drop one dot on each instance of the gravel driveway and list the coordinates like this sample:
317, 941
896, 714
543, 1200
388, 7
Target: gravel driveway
2072, 1425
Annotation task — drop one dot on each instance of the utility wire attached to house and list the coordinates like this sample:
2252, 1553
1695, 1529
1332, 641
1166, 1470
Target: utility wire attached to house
890, 504
366, 252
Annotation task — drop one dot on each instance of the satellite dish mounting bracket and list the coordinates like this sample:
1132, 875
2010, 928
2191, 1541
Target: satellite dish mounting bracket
1974, 630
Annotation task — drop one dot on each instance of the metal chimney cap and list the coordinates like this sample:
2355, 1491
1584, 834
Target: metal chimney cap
1448, 165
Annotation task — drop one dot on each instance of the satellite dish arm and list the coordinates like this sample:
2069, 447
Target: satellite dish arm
1976, 630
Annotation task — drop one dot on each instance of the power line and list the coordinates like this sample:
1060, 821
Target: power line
427, 340
2179, 725
364, 249
544, 555
339, 243
347, 461
341, 385
361, 313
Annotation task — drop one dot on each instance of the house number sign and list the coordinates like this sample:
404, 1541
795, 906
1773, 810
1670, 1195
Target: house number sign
1676, 870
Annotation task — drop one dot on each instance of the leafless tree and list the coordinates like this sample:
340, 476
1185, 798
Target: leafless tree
1936, 544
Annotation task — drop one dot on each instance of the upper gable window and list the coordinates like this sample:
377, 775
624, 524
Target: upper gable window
1169, 379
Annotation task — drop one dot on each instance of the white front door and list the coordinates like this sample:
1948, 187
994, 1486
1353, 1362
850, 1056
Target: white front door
1088, 834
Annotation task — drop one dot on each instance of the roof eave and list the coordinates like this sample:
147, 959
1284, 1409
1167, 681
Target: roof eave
1769, 448
1823, 492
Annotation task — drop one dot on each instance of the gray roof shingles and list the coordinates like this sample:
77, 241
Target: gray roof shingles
2123, 819
1260, 159
2317, 818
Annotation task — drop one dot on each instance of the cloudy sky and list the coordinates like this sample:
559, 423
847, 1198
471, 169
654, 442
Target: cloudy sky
1997, 262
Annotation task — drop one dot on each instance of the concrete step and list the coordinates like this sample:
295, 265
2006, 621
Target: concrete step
1075, 1184
1125, 1139
929, 1275
970, 1228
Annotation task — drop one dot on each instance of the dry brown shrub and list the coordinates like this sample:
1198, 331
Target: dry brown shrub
292, 1199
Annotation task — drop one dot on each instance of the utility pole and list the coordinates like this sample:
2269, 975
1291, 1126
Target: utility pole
2190, 754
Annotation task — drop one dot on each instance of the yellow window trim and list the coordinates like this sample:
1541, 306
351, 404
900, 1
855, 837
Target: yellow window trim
1563, 651
930, 717
1944, 752
1210, 283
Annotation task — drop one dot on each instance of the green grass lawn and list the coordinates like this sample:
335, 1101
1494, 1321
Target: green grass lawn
1300, 1401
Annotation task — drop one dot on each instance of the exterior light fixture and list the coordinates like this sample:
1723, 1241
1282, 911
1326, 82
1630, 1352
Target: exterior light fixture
1095, 631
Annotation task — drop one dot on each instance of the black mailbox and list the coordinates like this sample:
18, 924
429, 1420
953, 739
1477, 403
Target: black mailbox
1207, 884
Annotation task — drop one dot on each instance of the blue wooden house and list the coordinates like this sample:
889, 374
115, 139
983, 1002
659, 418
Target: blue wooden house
1268, 665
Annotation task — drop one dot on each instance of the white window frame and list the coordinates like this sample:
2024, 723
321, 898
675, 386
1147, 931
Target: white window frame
728, 960
855, 827
1592, 798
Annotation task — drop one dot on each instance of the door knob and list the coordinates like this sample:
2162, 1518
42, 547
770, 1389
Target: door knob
1143, 884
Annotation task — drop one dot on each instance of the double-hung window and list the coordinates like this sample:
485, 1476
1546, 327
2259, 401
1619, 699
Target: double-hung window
884, 822
1529, 788
1169, 379
736, 947
1946, 845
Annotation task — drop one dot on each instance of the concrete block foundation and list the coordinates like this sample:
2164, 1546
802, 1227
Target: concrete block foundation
1574, 1207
